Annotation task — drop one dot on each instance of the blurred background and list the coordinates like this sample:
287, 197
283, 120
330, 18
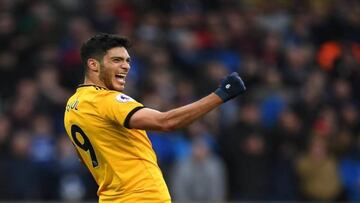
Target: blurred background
293, 136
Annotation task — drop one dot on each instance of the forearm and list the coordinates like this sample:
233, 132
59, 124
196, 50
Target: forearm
151, 119
183, 116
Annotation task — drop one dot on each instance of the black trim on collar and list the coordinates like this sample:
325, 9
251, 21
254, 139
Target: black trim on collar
127, 119
95, 86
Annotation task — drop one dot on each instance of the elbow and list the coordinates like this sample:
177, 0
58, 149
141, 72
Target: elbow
167, 124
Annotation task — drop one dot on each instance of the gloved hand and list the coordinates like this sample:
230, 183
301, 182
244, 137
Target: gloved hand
230, 87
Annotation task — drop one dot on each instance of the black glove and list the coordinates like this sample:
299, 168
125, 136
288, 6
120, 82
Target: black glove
230, 87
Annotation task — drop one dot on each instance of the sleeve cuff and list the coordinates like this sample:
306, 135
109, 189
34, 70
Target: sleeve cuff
127, 119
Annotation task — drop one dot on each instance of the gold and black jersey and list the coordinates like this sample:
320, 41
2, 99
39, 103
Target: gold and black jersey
120, 159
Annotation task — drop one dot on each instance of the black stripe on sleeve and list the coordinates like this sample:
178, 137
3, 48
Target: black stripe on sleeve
127, 119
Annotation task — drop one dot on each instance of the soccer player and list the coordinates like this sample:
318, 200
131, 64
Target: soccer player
108, 127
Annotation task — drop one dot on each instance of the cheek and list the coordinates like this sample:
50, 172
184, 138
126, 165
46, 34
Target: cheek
102, 75
105, 76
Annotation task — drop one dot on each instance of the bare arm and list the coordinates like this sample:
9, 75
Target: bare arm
150, 119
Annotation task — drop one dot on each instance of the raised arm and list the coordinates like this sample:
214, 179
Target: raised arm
150, 119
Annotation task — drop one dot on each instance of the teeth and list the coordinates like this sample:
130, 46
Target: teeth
121, 75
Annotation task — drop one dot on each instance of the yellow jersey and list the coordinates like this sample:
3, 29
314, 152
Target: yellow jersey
120, 159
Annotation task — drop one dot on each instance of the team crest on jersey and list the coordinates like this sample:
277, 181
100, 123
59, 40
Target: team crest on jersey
123, 98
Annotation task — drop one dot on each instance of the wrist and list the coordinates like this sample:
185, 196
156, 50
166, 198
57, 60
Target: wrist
222, 94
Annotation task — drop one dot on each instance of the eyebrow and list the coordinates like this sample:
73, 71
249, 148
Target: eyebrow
120, 57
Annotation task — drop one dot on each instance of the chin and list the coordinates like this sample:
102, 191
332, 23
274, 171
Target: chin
119, 88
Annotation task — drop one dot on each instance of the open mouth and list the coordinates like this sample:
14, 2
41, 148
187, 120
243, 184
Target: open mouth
120, 77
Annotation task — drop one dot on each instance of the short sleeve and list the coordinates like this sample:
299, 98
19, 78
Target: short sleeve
119, 108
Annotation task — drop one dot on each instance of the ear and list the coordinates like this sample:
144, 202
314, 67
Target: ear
93, 64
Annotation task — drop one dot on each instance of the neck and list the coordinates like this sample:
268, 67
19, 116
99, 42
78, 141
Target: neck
93, 81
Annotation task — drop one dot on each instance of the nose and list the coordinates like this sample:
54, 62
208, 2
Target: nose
125, 66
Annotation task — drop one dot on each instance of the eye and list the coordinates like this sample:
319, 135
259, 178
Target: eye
116, 60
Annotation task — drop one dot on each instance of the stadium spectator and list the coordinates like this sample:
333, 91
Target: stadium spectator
318, 172
299, 59
200, 177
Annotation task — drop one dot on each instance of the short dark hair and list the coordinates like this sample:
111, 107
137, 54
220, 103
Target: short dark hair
97, 46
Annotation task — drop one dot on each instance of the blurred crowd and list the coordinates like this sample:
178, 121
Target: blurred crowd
293, 136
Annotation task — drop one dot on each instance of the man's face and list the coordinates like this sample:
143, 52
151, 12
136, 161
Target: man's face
114, 68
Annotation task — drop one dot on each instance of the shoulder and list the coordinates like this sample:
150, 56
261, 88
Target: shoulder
114, 101
115, 97
71, 98
121, 97
117, 106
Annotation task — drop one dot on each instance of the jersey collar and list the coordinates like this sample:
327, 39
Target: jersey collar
91, 85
